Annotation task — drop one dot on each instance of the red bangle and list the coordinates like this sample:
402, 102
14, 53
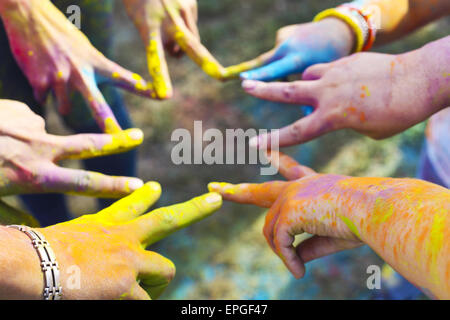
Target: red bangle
372, 28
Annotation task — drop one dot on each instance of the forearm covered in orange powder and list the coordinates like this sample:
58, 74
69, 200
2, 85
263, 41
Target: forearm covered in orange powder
407, 222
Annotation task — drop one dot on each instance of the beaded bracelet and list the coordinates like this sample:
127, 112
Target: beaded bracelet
354, 19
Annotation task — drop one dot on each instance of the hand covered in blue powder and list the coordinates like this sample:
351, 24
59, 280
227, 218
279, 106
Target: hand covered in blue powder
300, 46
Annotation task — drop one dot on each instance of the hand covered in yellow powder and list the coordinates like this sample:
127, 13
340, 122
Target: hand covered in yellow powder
29, 156
107, 249
405, 221
54, 55
171, 24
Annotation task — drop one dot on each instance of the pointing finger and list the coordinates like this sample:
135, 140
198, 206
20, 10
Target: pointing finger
305, 129
262, 195
85, 146
85, 82
290, 64
298, 92
162, 222
133, 205
287, 166
85, 183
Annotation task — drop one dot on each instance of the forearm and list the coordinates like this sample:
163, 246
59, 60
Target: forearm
397, 18
436, 72
20, 274
407, 222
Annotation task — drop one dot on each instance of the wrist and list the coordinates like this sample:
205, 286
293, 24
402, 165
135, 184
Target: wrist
433, 58
339, 32
20, 269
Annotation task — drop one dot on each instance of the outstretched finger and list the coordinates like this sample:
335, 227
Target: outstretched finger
262, 195
297, 92
290, 64
304, 130
55, 179
86, 146
242, 69
124, 78
157, 64
190, 44
287, 166
85, 82
155, 273
318, 246
133, 205
162, 222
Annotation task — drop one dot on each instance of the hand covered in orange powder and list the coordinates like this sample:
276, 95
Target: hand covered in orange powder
172, 24
406, 221
378, 95
29, 156
55, 55
108, 248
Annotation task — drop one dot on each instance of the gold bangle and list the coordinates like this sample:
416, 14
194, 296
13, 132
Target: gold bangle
359, 33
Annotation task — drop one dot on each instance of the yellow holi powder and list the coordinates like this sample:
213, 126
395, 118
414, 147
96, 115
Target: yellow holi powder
227, 188
434, 244
382, 211
154, 67
350, 225
212, 69
139, 82
30, 53
115, 75
59, 75
111, 126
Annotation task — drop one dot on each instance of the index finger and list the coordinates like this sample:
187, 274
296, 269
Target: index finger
287, 166
262, 195
190, 44
85, 146
162, 222
85, 82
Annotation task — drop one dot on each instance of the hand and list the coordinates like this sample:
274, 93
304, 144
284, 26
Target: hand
109, 247
309, 202
55, 55
28, 157
300, 46
378, 95
171, 24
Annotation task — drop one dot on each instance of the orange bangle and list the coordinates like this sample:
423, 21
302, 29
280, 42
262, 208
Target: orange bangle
372, 28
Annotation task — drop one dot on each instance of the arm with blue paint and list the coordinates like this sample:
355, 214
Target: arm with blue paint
378, 95
300, 46
405, 221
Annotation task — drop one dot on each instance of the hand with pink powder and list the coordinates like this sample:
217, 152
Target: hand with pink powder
378, 95
56, 56
29, 157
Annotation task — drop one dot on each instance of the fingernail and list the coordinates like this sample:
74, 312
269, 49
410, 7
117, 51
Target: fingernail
249, 84
135, 134
154, 186
213, 186
214, 198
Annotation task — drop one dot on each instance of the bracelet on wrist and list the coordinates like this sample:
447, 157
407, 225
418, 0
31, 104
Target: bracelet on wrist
49, 265
360, 22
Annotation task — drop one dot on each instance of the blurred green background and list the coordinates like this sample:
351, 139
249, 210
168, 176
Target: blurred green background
225, 256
